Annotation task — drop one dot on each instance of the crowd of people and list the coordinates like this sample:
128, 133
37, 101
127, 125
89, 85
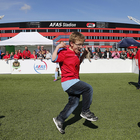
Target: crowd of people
39, 53
107, 54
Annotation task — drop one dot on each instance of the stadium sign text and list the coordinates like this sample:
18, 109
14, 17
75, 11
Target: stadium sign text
62, 24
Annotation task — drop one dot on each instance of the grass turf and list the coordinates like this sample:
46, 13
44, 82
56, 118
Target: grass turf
29, 102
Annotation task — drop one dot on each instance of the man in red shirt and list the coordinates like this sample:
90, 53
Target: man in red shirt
69, 60
26, 53
138, 64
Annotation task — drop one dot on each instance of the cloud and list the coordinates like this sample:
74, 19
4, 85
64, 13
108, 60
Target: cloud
25, 7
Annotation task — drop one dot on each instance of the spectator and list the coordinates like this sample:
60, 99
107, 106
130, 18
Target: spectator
128, 51
43, 50
1, 54
33, 56
99, 52
7, 56
20, 54
123, 55
12, 55
40, 55
115, 54
88, 56
26, 53
134, 55
37, 50
130, 55
135, 50
16, 56
107, 54
48, 54
96, 56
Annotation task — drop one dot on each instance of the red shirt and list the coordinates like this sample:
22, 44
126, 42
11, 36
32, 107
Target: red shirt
6, 56
26, 54
138, 57
20, 55
16, 56
130, 56
69, 64
32, 56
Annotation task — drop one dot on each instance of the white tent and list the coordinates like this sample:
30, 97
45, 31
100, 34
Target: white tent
27, 38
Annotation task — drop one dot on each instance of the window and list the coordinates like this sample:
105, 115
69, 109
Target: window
125, 31
8, 31
96, 30
51, 30
4, 38
2, 31
106, 31
73, 30
18, 31
41, 30
84, 30
92, 30
27, 30
135, 32
115, 31
62, 30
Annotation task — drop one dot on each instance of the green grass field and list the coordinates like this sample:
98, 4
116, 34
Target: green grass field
29, 102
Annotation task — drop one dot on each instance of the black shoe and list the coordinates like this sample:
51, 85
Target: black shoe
89, 116
59, 125
138, 87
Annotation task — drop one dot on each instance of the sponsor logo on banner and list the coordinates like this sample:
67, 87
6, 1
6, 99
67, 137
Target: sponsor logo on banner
16, 64
90, 25
40, 67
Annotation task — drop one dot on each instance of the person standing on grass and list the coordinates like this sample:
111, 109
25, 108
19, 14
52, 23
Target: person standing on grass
138, 64
69, 60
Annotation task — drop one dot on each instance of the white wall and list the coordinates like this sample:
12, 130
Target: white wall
5, 67
47, 67
106, 66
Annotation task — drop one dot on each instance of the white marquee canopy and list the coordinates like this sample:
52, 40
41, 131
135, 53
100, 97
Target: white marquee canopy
27, 38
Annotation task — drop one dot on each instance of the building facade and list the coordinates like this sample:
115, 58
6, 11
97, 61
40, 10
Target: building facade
98, 34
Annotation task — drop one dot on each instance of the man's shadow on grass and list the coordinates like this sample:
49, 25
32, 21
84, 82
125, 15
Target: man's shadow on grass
133, 83
1, 118
77, 117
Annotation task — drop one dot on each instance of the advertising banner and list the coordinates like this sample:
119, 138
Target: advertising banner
33, 67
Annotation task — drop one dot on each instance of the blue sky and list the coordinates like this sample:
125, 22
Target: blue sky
70, 10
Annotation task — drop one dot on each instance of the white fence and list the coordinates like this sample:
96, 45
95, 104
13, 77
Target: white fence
47, 67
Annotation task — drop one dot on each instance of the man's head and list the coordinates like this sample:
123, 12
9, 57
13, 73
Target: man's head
116, 50
26, 48
76, 41
123, 51
42, 47
38, 47
138, 47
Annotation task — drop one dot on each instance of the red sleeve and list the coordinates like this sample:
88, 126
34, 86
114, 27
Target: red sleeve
4, 57
61, 56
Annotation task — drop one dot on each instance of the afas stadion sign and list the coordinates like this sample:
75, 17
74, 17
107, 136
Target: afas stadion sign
71, 24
